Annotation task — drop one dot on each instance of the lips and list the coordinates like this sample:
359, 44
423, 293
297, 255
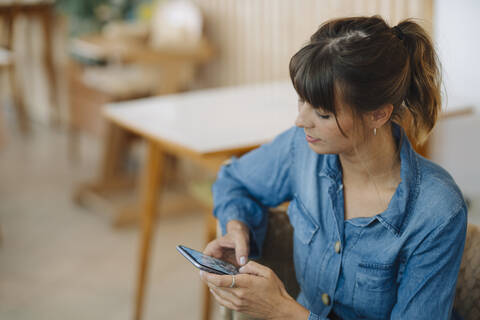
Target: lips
311, 139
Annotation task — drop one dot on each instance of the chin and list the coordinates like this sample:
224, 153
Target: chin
322, 149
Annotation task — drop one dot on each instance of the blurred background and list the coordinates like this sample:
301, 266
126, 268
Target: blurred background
65, 253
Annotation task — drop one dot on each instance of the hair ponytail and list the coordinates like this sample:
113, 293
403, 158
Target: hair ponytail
422, 97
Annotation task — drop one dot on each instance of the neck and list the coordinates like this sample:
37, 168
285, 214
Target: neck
375, 161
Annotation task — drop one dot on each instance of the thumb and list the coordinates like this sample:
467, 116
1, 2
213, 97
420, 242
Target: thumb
241, 249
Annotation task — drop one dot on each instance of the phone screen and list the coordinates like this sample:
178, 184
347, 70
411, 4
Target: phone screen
212, 264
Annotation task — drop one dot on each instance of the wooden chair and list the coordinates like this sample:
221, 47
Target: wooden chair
131, 69
467, 299
43, 11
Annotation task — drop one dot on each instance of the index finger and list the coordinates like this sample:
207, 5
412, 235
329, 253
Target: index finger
215, 247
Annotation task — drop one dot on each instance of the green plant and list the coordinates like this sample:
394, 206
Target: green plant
87, 16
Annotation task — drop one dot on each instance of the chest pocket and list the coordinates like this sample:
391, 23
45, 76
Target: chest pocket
303, 223
375, 291
304, 229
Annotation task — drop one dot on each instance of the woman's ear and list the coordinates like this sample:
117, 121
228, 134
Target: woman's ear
379, 117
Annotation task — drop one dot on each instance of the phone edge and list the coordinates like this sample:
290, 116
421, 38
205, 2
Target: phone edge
196, 263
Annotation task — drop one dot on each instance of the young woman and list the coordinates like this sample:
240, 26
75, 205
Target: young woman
378, 230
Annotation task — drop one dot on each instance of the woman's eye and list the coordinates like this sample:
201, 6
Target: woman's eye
322, 116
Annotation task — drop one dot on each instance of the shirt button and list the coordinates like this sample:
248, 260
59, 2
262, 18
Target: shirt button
325, 299
338, 246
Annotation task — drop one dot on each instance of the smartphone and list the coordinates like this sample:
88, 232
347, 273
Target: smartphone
207, 263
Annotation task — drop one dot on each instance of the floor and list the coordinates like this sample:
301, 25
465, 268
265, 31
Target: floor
61, 261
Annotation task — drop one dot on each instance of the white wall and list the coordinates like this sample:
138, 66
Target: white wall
455, 145
457, 34
455, 142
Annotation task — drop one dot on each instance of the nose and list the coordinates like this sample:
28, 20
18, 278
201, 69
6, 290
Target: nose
303, 118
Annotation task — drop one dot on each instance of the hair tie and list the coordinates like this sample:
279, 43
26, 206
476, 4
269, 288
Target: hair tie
398, 32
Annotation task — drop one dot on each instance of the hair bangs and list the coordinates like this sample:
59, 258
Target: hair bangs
312, 75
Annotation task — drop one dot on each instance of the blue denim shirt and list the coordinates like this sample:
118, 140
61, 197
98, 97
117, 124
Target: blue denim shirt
400, 264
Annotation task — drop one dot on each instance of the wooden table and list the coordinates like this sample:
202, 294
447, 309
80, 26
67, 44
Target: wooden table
206, 126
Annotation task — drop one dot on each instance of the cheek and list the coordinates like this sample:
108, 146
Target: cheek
331, 132
334, 138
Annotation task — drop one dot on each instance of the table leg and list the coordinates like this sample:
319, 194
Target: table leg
16, 89
17, 94
152, 179
117, 145
111, 175
3, 131
47, 20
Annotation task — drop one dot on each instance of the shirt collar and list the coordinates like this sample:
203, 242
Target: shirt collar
407, 191
330, 167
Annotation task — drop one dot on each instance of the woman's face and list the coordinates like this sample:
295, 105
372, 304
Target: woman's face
322, 132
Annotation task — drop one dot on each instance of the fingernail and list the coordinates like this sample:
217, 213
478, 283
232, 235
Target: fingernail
201, 273
243, 260
241, 269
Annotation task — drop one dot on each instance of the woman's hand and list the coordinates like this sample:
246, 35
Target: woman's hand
233, 247
258, 292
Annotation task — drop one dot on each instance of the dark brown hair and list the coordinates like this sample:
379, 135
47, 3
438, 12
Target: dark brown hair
369, 64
